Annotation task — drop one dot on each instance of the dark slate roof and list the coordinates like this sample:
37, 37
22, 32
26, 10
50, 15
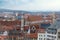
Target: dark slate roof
44, 25
56, 24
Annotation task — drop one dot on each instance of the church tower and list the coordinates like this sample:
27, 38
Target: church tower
54, 17
22, 22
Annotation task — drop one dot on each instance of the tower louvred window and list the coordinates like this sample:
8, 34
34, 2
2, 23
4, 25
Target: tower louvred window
33, 29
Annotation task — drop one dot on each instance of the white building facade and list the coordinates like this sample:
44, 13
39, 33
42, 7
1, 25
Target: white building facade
51, 34
41, 36
58, 32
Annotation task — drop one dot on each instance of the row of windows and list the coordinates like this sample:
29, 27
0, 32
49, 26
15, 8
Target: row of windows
52, 29
42, 39
58, 36
41, 35
51, 32
58, 32
51, 36
50, 39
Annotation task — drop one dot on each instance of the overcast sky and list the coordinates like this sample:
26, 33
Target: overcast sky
31, 5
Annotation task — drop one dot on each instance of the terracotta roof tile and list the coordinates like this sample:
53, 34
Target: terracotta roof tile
41, 30
26, 27
10, 22
32, 35
36, 26
8, 27
34, 18
48, 18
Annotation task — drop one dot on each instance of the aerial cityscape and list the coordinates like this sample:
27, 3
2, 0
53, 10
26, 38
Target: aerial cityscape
24, 25
29, 19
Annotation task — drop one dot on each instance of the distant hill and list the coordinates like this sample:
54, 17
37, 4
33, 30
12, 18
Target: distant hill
22, 11
8, 10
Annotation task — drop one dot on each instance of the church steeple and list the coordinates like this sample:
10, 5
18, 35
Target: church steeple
54, 17
22, 21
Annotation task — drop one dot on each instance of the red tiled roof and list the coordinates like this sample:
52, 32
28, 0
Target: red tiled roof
34, 18
26, 27
32, 35
3, 36
41, 30
36, 26
8, 27
48, 18
10, 22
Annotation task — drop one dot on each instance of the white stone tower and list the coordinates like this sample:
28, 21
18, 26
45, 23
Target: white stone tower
54, 17
22, 22
16, 14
